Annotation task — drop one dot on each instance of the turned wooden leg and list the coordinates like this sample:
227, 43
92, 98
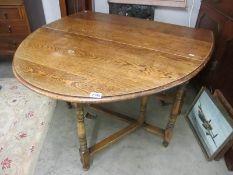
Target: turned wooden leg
175, 111
83, 150
69, 105
143, 107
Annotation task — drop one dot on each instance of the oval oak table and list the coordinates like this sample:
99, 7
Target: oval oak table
91, 58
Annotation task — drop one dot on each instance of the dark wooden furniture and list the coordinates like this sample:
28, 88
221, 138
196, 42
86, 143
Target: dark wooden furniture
217, 15
222, 100
228, 159
14, 26
94, 52
229, 154
69, 7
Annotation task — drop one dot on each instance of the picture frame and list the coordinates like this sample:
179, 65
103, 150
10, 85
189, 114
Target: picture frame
210, 123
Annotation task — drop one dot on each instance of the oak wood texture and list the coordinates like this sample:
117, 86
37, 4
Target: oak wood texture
175, 111
85, 152
165, 133
120, 57
113, 138
14, 26
81, 132
167, 3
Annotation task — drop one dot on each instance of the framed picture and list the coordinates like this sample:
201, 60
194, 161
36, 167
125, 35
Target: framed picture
210, 123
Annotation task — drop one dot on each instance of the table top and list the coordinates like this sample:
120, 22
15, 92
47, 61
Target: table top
119, 57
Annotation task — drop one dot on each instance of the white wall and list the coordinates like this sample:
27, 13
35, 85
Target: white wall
101, 6
51, 10
179, 16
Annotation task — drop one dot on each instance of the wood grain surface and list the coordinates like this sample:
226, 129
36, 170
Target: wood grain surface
120, 57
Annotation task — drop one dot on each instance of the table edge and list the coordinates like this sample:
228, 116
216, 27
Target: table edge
123, 97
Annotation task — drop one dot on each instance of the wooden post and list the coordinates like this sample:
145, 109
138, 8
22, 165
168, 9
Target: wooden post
144, 101
83, 150
89, 5
81, 5
63, 9
175, 111
78, 5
